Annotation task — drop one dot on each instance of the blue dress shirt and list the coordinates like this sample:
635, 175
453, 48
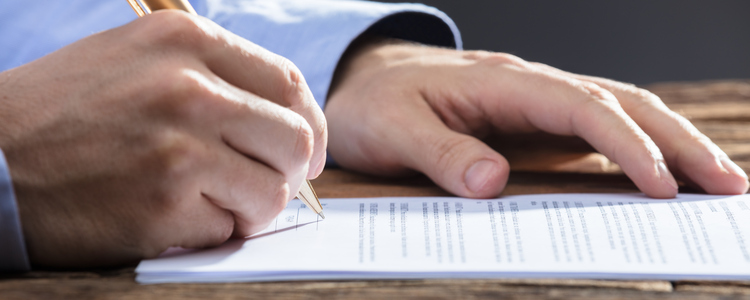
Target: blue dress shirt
311, 33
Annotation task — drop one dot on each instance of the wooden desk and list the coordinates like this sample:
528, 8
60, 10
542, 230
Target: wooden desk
720, 109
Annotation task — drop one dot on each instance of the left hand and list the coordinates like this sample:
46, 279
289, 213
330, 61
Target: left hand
399, 107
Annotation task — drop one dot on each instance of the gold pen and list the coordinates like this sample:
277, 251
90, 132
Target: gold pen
306, 192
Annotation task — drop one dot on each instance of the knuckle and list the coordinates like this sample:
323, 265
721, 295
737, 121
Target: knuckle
304, 143
168, 198
174, 28
645, 94
598, 95
173, 156
645, 99
595, 102
183, 95
280, 198
294, 86
476, 54
449, 151
495, 59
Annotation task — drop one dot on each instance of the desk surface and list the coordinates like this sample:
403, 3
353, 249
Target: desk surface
720, 109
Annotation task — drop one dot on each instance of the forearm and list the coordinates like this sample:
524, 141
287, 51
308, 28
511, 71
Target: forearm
313, 34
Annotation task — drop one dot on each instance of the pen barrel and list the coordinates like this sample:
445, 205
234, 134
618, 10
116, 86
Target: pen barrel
183, 5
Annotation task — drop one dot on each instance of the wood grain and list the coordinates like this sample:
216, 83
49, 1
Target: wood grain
721, 109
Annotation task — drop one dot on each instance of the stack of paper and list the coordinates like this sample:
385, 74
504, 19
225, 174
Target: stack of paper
616, 236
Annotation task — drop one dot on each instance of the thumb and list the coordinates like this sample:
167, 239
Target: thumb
459, 163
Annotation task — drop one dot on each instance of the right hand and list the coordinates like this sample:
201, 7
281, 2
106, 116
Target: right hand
166, 132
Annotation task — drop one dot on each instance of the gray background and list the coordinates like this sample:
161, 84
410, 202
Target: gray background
638, 41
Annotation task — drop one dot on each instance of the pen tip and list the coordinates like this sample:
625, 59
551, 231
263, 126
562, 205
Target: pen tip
322, 216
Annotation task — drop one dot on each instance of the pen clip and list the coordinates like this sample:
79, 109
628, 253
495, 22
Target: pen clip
140, 9
144, 7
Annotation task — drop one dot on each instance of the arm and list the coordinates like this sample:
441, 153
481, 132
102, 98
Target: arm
328, 26
447, 100
168, 131
315, 33
311, 33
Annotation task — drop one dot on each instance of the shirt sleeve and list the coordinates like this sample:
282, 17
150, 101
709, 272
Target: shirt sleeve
315, 33
12, 247
311, 33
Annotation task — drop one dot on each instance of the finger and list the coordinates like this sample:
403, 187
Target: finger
270, 76
460, 163
179, 214
254, 193
685, 148
262, 130
208, 225
586, 110
239, 62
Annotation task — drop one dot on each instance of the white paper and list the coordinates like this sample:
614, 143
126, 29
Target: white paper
615, 236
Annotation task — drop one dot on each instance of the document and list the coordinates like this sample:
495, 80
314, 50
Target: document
602, 236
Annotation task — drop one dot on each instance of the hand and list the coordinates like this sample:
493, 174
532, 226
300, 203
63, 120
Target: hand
168, 131
397, 107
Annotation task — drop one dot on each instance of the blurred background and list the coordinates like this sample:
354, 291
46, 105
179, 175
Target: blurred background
637, 41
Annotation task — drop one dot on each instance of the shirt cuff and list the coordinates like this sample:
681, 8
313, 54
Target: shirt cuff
12, 247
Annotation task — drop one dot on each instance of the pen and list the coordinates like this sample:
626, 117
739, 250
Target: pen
306, 192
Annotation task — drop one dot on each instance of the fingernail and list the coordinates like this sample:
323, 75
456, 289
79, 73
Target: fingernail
478, 175
666, 176
732, 167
